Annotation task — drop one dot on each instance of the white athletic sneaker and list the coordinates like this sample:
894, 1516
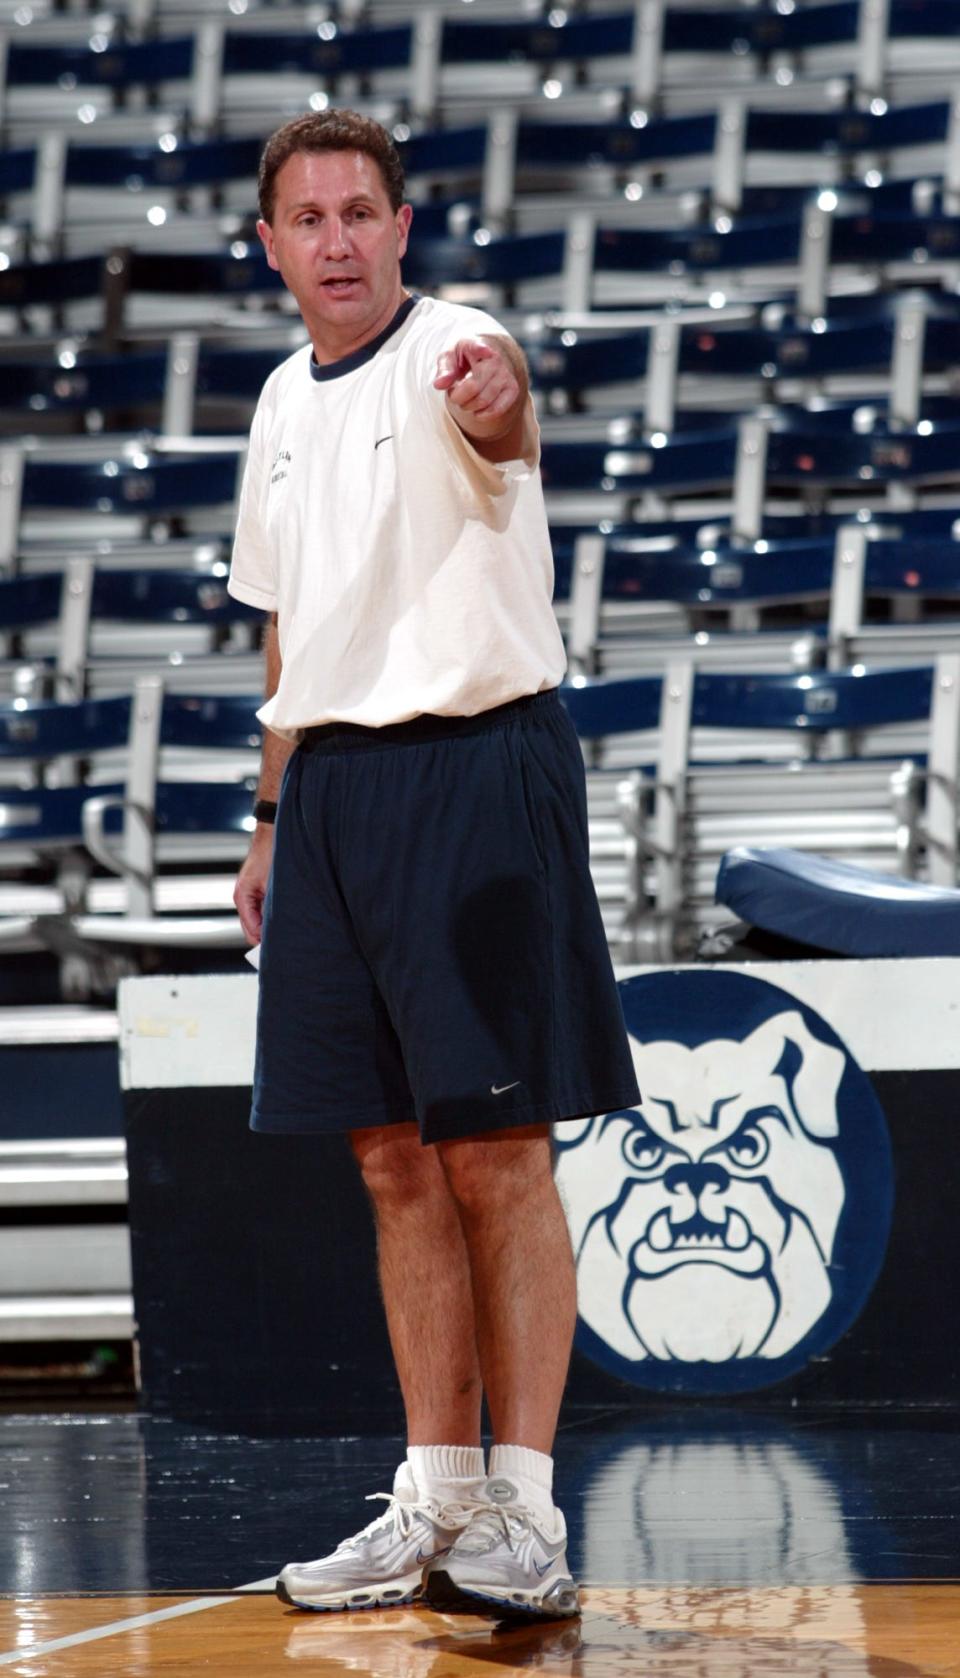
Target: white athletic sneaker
383, 1565
507, 1563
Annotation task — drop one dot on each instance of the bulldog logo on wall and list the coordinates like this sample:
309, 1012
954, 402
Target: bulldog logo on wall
730, 1229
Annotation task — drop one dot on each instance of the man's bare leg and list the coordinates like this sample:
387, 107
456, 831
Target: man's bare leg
524, 1281
426, 1289
426, 1282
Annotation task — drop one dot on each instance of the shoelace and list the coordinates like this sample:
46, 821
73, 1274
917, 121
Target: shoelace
489, 1526
400, 1513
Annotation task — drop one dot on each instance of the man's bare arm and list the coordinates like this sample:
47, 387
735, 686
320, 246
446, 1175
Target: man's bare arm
486, 385
275, 750
251, 886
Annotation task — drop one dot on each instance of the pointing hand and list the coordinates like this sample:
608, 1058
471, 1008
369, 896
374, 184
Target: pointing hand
481, 386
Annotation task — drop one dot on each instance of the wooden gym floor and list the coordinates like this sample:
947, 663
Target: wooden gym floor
710, 1545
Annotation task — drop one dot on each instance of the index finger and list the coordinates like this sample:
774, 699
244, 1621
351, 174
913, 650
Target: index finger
449, 369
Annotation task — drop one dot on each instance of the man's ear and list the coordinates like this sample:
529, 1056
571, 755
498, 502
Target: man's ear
265, 232
404, 218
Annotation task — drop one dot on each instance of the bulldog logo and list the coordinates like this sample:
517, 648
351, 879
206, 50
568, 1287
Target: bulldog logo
705, 1226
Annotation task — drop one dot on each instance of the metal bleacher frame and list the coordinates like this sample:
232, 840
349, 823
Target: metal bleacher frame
860, 765
125, 817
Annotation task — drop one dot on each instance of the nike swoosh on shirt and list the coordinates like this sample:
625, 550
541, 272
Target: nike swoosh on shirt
380, 440
501, 1089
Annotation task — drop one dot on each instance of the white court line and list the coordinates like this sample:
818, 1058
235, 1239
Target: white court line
196, 1606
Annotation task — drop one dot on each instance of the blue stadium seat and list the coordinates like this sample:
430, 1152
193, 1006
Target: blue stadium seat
856, 335
217, 273
345, 53
27, 601
535, 42
717, 576
191, 163
443, 151
131, 379
442, 262
811, 702
93, 381
17, 170
699, 460
74, 279
167, 597
108, 485
562, 145
833, 906
125, 64
599, 709
37, 733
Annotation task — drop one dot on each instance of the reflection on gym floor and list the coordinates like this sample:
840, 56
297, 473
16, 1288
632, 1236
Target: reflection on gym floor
708, 1544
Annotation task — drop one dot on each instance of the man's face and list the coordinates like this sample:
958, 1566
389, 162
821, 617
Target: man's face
337, 244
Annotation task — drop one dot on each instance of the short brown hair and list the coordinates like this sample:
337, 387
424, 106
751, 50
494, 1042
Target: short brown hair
321, 131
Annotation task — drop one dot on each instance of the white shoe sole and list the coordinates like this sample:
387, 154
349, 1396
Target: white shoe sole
392, 1593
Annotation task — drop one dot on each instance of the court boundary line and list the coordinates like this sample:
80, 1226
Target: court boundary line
114, 1628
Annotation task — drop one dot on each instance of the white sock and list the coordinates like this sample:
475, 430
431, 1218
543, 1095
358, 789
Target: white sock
533, 1473
447, 1473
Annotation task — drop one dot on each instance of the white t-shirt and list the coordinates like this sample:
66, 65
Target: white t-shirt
409, 574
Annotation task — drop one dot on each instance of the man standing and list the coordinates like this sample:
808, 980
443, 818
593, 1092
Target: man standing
434, 977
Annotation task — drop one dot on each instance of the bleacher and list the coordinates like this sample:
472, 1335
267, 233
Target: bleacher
728, 237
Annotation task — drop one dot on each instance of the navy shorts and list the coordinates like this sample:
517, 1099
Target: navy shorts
432, 942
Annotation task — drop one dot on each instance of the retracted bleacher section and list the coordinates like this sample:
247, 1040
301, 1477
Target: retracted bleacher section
740, 310
858, 765
728, 238
125, 782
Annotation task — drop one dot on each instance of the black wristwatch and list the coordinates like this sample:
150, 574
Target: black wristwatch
264, 810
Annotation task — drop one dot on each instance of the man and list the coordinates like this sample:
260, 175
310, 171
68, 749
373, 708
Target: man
434, 977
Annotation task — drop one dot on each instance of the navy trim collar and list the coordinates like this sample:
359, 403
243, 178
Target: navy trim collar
366, 352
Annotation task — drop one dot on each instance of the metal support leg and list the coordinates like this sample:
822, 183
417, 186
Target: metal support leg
76, 597
647, 52
4, 55
116, 281
48, 191
951, 162
663, 352
425, 63
180, 387
906, 367
943, 761
846, 593
586, 593
140, 815
140, 17
815, 241
499, 169
11, 494
872, 31
676, 708
207, 80
750, 478
578, 264
728, 155
638, 939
